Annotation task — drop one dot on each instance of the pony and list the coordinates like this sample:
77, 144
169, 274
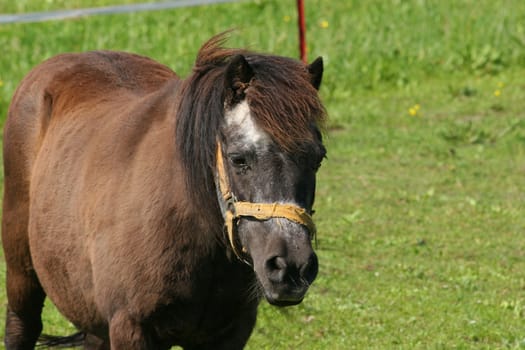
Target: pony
156, 211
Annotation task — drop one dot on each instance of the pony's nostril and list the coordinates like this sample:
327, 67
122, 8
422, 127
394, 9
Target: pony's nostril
276, 263
276, 268
309, 270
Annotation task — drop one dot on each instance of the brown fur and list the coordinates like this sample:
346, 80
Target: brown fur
109, 203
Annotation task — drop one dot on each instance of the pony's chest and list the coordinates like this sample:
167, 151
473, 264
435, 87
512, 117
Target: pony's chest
221, 301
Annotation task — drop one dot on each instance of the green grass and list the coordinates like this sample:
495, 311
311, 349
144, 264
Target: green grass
421, 217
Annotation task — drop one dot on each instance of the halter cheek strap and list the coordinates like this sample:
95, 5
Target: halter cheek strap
260, 211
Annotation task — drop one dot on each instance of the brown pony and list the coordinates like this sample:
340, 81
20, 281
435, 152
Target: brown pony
155, 211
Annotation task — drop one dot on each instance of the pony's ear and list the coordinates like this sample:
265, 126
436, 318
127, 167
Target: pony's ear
316, 72
238, 75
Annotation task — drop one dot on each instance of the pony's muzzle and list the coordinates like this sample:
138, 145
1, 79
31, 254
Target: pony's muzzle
289, 281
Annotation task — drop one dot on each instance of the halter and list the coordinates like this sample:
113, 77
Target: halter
260, 211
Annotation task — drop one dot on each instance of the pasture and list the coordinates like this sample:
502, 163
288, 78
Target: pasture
420, 205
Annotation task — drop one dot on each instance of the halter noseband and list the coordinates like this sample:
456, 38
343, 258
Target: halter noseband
260, 211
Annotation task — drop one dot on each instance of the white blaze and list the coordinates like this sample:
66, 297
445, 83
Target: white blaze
241, 119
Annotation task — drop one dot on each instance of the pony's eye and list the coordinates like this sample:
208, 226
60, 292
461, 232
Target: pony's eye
238, 160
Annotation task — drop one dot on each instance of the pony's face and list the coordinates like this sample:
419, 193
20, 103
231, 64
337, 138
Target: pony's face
263, 166
259, 171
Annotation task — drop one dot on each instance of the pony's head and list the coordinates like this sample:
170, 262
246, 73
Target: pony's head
267, 148
270, 150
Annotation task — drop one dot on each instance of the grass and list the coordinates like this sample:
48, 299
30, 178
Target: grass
420, 210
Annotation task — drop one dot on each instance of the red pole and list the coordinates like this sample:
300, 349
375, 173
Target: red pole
302, 30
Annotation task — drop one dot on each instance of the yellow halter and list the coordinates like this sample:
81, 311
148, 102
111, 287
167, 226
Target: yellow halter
259, 211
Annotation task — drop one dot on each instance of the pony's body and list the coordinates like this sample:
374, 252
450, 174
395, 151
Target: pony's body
98, 215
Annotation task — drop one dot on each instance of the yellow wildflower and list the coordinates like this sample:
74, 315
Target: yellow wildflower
414, 110
501, 84
324, 24
287, 18
497, 92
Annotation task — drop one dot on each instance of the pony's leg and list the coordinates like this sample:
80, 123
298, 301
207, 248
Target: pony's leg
24, 293
93, 342
127, 333
236, 337
22, 136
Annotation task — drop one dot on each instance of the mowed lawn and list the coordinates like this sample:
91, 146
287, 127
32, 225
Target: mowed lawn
421, 203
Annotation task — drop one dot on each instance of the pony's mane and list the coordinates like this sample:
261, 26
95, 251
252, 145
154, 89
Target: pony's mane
281, 98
